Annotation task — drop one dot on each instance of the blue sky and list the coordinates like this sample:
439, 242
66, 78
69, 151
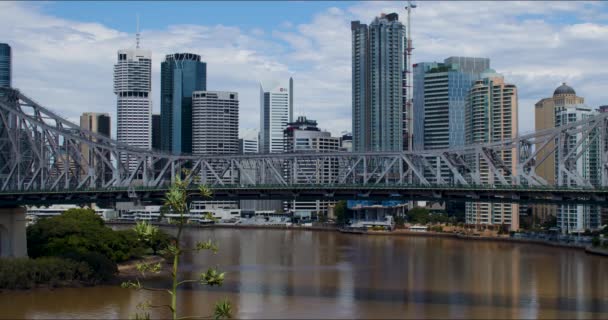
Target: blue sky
64, 51
265, 15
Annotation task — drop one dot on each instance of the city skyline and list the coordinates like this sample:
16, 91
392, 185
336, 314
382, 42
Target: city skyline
555, 53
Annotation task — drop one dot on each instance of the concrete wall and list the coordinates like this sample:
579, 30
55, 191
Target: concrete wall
13, 241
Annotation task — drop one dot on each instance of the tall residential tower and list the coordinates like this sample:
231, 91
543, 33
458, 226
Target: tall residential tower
378, 72
491, 116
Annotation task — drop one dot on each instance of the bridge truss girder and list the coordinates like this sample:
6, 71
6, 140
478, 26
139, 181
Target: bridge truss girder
40, 151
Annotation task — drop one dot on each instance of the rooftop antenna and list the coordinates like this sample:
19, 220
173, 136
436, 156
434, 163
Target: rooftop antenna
137, 33
408, 71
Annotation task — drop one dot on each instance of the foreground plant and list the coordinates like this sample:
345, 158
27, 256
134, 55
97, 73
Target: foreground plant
177, 200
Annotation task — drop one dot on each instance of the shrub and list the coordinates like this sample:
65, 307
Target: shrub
103, 268
24, 273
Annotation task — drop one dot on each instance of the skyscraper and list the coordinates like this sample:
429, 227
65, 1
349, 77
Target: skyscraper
215, 122
276, 110
156, 131
491, 116
5, 65
440, 94
378, 71
132, 86
181, 74
544, 118
578, 217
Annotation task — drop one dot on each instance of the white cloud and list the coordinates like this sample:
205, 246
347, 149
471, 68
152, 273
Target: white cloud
67, 64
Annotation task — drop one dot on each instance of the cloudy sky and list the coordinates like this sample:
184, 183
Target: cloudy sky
64, 51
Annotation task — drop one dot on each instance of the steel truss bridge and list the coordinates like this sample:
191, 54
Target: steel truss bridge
47, 159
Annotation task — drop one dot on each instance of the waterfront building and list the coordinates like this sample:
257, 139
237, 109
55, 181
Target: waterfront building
303, 135
5, 65
99, 123
248, 142
132, 86
368, 213
215, 122
156, 131
440, 94
34, 213
378, 84
181, 74
573, 218
276, 111
491, 115
564, 96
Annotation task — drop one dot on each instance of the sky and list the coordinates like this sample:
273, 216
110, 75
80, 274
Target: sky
64, 52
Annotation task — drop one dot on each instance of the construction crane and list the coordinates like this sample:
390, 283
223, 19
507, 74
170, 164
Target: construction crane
408, 79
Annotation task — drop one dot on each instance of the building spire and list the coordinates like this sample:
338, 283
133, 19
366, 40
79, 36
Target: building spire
137, 35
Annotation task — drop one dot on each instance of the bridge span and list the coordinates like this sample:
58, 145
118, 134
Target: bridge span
43, 156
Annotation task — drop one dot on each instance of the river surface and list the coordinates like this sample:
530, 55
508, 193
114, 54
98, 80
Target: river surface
316, 274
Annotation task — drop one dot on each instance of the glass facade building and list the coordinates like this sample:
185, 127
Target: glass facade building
378, 71
5, 65
181, 74
440, 94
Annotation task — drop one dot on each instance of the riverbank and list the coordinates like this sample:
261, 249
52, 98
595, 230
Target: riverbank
397, 232
128, 269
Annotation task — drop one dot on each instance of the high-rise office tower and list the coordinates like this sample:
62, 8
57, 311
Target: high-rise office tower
544, 118
5, 65
491, 116
156, 131
378, 71
181, 74
276, 110
440, 93
304, 136
248, 142
132, 86
215, 122
99, 123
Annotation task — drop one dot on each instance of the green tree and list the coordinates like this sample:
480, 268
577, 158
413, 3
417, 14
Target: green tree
151, 236
177, 200
80, 231
340, 212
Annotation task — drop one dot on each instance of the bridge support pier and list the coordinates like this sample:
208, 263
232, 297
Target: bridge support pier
13, 241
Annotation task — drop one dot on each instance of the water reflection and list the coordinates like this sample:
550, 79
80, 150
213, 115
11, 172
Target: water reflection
278, 274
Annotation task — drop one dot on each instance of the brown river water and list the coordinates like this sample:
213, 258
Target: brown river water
317, 274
